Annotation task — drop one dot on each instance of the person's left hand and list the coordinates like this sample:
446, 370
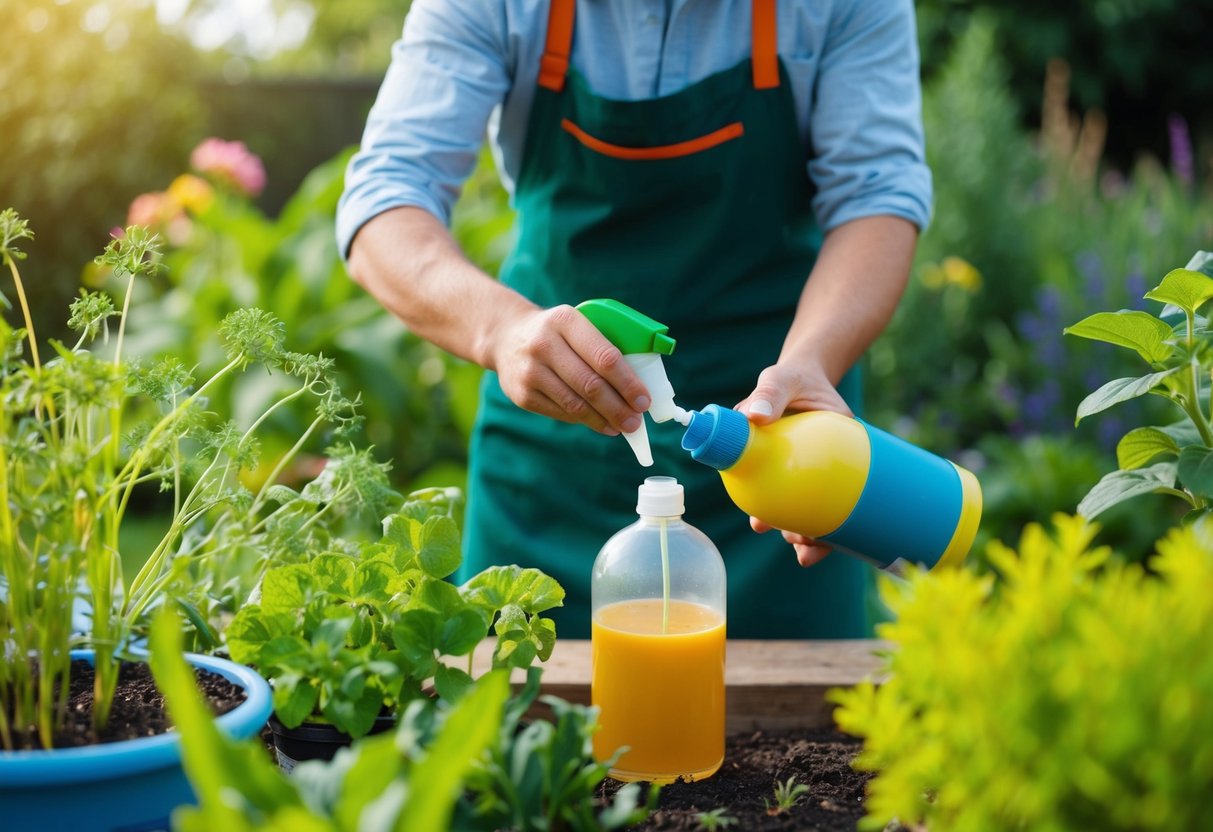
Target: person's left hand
781, 389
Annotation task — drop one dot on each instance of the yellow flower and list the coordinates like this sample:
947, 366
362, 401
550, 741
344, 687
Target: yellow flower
953, 271
193, 193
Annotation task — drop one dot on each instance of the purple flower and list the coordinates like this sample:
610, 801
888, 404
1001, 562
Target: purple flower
1135, 286
1090, 266
1181, 149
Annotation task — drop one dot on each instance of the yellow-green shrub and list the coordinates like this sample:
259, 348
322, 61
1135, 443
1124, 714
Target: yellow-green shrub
1072, 692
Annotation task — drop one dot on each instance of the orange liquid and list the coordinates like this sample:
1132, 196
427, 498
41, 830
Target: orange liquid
662, 695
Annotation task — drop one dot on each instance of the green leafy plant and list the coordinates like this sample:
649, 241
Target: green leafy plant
715, 819
399, 786
787, 795
224, 253
543, 775
84, 429
1174, 459
343, 636
469, 765
1068, 694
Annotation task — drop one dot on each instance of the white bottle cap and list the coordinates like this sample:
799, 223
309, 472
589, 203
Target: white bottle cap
660, 497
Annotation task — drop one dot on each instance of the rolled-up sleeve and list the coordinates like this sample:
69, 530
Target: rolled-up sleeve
425, 130
866, 126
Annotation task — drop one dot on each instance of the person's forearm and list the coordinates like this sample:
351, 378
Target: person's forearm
851, 295
549, 361
409, 262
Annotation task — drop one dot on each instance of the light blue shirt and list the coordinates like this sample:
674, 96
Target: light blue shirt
464, 65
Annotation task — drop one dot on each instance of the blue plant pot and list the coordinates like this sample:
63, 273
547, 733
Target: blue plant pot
128, 786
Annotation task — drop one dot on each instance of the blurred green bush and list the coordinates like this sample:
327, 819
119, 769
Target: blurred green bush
1068, 694
96, 105
1138, 61
1030, 234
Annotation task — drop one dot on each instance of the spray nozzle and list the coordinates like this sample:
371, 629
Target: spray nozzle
642, 341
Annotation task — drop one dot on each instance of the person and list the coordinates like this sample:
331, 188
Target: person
750, 174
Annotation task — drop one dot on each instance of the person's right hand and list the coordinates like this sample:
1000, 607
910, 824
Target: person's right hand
556, 363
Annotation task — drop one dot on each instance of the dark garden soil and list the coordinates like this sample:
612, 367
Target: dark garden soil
753, 764
138, 709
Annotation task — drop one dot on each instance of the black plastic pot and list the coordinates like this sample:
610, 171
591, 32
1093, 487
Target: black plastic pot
315, 740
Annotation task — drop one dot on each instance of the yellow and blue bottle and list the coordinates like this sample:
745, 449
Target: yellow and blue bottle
844, 482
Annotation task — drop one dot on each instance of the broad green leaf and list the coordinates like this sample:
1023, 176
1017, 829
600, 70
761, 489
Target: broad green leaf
1140, 446
439, 552
1118, 486
285, 588
461, 632
355, 715
294, 699
330, 636
425, 503
437, 596
543, 633
433, 545
451, 682
437, 778
252, 628
415, 635
333, 574
1136, 330
1120, 390
1185, 288
233, 780
1196, 470
372, 582
1184, 433
499, 586
288, 652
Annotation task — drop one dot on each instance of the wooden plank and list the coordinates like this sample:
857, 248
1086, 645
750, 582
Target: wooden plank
769, 684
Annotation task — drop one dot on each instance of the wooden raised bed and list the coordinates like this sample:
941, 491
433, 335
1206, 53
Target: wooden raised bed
770, 685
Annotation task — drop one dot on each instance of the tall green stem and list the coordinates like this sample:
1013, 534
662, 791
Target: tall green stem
29, 320
1191, 404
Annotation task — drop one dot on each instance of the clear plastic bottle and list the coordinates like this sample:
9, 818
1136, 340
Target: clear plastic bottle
657, 597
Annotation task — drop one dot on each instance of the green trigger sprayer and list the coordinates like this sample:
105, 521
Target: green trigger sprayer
642, 341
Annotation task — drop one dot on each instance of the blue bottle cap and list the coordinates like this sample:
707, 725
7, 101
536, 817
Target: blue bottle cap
716, 436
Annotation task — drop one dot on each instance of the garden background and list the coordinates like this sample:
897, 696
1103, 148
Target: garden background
1073, 165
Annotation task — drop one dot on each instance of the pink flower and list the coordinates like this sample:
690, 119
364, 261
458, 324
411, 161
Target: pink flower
150, 209
162, 213
231, 163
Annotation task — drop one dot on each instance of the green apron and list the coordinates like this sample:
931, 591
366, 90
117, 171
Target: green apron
693, 208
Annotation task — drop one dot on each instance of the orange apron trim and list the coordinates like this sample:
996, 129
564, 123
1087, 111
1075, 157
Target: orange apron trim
665, 151
554, 64
764, 48
764, 54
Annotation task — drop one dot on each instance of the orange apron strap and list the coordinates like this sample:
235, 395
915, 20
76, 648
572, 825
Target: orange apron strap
764, 53
555, 61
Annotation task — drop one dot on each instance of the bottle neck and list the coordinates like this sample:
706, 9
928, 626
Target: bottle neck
657, 519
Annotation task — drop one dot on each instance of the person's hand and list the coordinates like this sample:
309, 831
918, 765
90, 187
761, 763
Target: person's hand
808, 551
780, 389
556, 363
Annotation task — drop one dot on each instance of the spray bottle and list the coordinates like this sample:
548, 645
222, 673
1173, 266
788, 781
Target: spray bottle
827, 476
642, 341
657, 595
844, 482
